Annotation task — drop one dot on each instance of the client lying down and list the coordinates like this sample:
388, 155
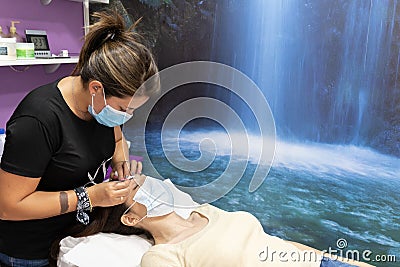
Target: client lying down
187, 234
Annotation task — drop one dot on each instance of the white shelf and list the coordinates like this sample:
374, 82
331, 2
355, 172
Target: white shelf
38, 61
50, 64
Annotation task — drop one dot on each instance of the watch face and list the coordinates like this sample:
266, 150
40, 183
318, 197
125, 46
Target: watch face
39, 41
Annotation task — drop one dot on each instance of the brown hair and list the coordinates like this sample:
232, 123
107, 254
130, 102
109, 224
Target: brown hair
102, 219
114, 56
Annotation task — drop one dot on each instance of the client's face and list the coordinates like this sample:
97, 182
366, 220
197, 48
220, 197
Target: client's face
139, 180
137, 211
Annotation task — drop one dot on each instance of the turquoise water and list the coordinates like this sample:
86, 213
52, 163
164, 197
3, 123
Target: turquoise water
314, 194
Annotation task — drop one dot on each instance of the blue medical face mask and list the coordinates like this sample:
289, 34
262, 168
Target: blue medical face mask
109, 116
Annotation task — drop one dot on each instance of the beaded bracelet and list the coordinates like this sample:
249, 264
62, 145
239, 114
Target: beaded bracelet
90, 202
83, 205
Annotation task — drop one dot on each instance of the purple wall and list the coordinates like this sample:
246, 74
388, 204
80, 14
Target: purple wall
63, 22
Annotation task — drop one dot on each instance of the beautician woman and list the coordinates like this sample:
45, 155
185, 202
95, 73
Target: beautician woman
61, 133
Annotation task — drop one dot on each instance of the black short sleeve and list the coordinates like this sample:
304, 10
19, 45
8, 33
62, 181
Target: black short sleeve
27, 150
44, 138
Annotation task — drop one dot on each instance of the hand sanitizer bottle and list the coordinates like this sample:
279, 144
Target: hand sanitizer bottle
2, 34
13, 32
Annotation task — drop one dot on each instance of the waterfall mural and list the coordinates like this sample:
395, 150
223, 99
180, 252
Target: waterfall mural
329, 70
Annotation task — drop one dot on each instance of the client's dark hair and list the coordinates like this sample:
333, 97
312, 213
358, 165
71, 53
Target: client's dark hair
102, 219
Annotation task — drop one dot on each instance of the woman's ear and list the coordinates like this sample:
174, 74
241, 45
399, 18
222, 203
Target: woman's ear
130, 219
95, 87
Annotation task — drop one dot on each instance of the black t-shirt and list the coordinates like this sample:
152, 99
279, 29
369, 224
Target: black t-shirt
44, 138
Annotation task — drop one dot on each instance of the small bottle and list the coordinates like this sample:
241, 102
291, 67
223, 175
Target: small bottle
2, 141
13, 32
2, 34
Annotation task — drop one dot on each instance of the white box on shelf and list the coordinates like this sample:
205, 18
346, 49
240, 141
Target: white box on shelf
8, 50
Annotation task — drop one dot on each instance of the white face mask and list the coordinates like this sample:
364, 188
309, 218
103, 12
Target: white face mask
156, 197
161, 198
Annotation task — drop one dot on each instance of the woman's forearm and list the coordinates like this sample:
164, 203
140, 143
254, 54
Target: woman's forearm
121, 152
39, 205
19, 199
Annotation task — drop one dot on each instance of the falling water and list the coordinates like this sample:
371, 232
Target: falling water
323, 65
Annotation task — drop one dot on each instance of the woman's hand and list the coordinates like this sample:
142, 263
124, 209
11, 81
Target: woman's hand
123, 169
110, 193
